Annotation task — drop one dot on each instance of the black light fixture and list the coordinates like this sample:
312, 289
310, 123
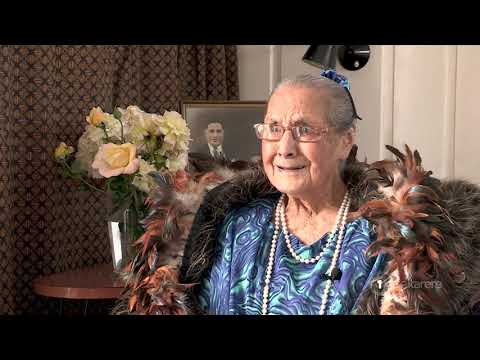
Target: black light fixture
322, 56
351, 57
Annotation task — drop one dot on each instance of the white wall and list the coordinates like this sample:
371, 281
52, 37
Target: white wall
253, 71
435, 98
420, 94
423, 96
467, 114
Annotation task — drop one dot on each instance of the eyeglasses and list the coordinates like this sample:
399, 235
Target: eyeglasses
271, 132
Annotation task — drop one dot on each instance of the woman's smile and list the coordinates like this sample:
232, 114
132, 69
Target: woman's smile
291, 169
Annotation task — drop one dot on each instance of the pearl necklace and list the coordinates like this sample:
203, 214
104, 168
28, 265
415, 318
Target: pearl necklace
339, 226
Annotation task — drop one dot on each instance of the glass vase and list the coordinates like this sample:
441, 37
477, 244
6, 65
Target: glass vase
122, 234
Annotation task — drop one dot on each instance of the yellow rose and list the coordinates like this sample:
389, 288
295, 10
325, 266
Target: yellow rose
63, 150
96, 116
112, 160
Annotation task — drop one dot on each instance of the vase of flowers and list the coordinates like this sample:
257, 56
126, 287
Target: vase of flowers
120, 151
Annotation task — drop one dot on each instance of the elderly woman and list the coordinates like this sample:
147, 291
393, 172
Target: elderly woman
314, 231
292, 265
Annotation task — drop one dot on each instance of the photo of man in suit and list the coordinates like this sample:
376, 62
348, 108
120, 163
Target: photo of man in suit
223, 131
214, 135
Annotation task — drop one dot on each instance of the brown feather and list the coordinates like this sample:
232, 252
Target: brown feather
410, 206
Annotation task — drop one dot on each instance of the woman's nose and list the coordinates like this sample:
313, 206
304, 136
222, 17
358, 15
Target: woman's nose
287, 146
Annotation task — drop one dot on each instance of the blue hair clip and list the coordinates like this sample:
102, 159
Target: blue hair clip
343, 81
339, 79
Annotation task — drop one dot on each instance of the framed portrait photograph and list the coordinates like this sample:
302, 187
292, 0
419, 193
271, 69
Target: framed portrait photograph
224, 129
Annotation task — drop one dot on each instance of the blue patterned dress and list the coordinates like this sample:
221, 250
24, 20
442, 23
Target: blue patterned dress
235, 283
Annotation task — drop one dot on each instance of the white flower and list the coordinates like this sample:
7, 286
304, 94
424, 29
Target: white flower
113, 127
178, 163
88, 146
94, 134
142, 180
131, 115
138, 124
148, 125
176, 131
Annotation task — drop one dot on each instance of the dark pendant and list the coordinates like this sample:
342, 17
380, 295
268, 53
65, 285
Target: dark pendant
336, 275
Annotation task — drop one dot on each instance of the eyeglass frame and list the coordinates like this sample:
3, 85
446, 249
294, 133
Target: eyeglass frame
291, 129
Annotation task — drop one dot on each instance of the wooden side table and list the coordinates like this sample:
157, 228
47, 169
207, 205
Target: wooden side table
96, 282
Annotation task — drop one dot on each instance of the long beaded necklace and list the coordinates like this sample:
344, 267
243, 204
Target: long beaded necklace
332, 271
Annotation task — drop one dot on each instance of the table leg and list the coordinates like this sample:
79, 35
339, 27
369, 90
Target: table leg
60, 310
85, 309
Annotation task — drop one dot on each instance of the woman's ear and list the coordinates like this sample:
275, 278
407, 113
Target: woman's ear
347, 141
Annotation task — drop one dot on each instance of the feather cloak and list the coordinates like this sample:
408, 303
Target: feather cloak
429, 230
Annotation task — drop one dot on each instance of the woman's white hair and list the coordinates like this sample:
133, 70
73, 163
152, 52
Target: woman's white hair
340, 114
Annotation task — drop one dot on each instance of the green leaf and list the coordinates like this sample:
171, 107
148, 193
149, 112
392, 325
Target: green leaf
117, 114
77, 168
83, 187
160, 163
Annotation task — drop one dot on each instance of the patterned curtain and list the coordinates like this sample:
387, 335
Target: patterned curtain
46, 224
